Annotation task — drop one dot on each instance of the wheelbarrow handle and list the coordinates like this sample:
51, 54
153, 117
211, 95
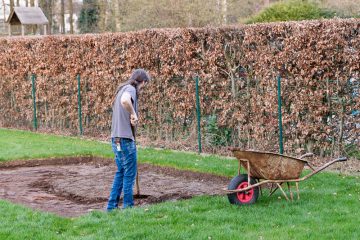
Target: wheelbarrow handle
341, 159
306, 155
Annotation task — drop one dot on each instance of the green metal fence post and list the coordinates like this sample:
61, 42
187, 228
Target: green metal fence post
198, 113
33, 80
79, 105
280, 116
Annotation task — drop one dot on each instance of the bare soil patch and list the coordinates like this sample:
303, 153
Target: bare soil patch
74, 186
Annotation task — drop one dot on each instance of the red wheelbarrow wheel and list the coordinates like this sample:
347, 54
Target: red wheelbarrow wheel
242, 198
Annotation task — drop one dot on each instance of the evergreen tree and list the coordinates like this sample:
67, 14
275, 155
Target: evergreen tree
89, 17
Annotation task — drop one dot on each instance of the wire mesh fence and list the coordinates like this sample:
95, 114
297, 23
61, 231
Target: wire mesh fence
243, 112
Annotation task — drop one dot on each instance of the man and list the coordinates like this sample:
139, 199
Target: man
124, 121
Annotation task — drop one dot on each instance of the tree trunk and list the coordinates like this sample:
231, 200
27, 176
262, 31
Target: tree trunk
221, 6
218, 8
3, 3
33, 28
26, 3
102, 20
224, 11
62, 16
117, 15
18, 3
51, 14
11, 5
71, 18
46, 6
43, 6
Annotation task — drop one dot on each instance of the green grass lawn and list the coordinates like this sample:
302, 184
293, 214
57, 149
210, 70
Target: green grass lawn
328, 208
15, 144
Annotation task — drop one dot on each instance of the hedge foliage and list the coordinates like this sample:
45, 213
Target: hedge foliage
238, 66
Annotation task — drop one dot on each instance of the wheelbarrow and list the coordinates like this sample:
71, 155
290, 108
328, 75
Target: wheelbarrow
268, 168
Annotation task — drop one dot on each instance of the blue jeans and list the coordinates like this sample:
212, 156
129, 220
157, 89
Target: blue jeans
124, 179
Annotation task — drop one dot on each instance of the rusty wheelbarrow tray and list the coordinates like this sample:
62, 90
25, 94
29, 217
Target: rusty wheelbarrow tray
268, 168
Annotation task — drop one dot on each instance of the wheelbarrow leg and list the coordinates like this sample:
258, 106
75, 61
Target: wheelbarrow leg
249, 171
282, 190
261, 190
273, 190
291, 193
297, 190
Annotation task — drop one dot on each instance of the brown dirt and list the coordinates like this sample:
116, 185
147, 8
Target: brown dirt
74, 186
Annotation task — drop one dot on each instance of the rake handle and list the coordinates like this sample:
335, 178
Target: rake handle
137, 168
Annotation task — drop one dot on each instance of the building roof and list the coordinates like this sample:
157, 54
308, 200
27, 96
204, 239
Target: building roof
27, 16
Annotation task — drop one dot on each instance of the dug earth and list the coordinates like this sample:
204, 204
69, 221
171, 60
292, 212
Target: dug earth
74, 186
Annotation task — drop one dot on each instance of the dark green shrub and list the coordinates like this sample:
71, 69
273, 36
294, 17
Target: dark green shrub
89, 17
215, 135
292, 10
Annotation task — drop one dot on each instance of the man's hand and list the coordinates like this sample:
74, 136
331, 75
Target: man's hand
134, 119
